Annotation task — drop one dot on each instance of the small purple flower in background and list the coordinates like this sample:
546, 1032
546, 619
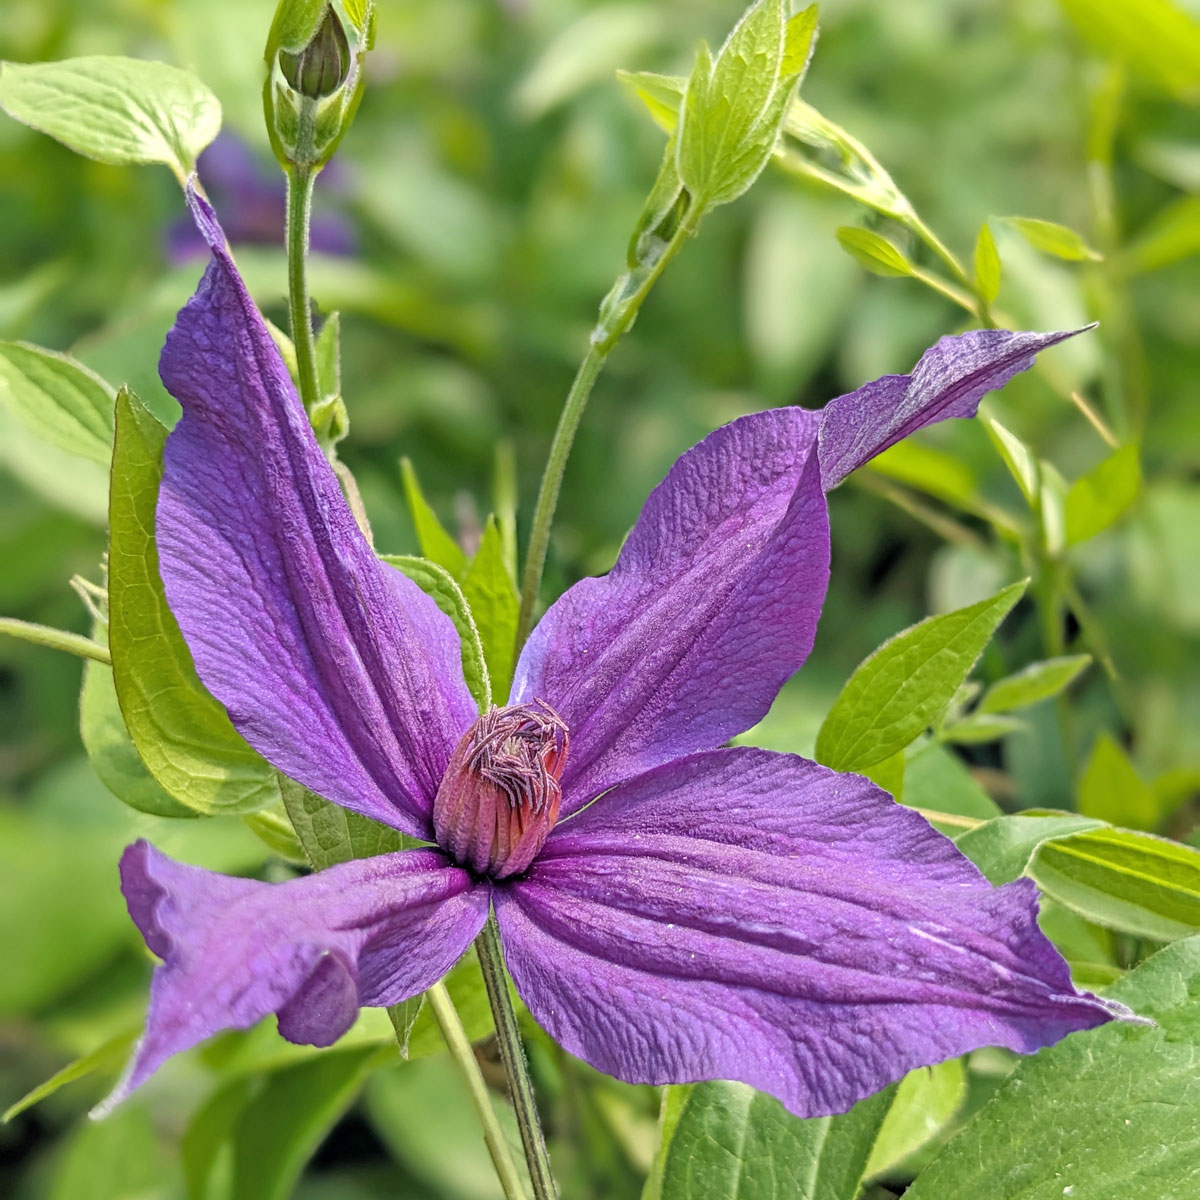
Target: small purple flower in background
253, 196
669, 910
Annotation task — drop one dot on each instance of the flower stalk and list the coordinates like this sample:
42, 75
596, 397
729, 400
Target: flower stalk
459, 1045
516, 1068
299, 212
56, 639
614, 323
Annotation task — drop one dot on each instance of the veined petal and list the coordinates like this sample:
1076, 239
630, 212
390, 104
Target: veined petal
314, 950
334, 666
712, 604
747, 915
949, 381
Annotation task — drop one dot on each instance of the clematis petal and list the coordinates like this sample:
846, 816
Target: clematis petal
949, 381
333, 665
746, 915
712, 604
369, 932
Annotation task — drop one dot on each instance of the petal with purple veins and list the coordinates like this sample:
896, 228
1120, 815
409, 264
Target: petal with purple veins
334, 666
711, 606
314, 950
753, 916
949, 381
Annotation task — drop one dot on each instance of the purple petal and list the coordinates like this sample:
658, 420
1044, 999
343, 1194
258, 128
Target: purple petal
949, 381
369, 932
335, 667
712, 604
747, 915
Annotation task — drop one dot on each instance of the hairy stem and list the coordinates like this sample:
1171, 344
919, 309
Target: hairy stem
603, 340
512, 1055
299, 209
456, 1040
56, 639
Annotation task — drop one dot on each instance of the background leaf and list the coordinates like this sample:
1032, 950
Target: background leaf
908, 683
1104, 1115
1032, 684
58, 399
873, 251
1098, 498
730, 1141
1052, 238
117, 110
183, 735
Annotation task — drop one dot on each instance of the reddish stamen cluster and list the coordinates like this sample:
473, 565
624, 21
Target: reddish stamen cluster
500, 795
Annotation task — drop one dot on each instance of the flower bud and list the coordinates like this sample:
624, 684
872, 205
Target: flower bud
323, 65
500, 795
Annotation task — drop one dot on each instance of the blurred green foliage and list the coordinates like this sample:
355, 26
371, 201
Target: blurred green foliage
492, 177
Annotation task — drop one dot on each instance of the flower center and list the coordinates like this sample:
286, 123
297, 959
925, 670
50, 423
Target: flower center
500, 795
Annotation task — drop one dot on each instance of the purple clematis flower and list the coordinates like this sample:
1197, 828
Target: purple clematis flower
716, 912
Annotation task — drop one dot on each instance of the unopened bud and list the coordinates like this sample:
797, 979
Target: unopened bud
323, 65
500, 795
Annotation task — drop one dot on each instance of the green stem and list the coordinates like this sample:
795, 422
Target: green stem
56, 639
512, 1055
459, 1045
947, 289
568, 425
299, 210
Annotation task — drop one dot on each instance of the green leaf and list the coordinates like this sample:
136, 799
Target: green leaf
436, 543
445, 1156
469, 996
978, 728
1105, 1115
112, 752
799, 42
1033, 684
492, 598
117, 1159
437, 582
1017, 458
1132, 882
58, 399
183, 735
987, 265
75, 485
889, 774
116, 110
936, 780
279, 1129
109, 1056
908, 683
925, 1101
1111, 790
661, 94
731, 1141
273, 828
1096, 500
937, 472
403, 1017
733, 107
331, 834
674, 1098
1051, 238
873, 251
1002, 849
328, 354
